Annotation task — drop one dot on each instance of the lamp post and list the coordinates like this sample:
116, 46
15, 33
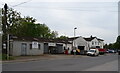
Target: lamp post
74, 41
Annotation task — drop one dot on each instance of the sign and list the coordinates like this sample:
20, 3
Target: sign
51, 44
74, 50
34, 44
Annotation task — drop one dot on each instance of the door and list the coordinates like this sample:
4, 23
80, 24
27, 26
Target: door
46, 48
60, 49
24, 49
82, 51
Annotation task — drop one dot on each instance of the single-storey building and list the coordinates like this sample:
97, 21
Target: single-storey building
57, 46
25, 46
37, 46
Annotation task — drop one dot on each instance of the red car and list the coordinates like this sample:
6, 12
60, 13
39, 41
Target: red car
101, 51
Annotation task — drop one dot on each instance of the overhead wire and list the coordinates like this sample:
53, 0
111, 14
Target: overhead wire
21, 3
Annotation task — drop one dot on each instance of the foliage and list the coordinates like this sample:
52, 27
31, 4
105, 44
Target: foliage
118, 39
115, 45
63, 37
26, 26
54, 34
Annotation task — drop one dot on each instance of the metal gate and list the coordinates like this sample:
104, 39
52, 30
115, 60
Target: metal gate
60, 49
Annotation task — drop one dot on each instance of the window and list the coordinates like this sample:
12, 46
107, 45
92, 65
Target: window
95, 43
30, 46
68, 48
92, 43
39, 46
64, 48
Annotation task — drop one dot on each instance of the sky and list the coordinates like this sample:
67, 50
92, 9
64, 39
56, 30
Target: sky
91, 17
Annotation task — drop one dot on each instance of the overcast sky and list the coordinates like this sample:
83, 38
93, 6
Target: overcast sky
91, 17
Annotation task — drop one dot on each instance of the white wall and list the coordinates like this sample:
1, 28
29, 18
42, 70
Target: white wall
101, 44
70, 48
96, 43
81, 42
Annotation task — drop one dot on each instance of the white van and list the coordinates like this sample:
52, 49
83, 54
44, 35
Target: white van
93, 52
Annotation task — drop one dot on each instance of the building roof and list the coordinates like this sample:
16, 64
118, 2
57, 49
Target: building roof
87, 39
40, 39
91, 38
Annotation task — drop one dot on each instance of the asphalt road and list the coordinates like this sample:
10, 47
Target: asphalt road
102, 63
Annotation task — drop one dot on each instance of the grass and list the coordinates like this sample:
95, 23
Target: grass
5, 57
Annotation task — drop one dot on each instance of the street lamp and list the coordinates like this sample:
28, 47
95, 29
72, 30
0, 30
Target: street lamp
74, 41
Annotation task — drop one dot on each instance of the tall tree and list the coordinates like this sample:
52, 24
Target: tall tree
26, 26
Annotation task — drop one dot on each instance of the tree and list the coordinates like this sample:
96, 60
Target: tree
106, 46
117, 43
54, 34
29, 29
63, 37
26, 26
118, 39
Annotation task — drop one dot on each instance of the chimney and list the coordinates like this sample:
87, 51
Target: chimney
91, 36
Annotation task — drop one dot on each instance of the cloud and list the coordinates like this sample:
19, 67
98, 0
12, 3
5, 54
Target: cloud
90, 18
64, 0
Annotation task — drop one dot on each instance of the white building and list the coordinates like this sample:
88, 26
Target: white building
84, 44
94, 42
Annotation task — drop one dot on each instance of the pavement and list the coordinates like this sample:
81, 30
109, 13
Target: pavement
42, 57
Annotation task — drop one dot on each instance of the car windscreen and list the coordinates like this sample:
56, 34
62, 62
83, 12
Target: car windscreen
91, 50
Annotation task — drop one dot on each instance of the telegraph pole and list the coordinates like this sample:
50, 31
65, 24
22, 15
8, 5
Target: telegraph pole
4, 28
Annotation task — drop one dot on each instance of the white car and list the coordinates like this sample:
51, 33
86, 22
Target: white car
93, 52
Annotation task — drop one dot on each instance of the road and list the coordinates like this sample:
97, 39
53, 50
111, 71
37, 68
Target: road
107, 62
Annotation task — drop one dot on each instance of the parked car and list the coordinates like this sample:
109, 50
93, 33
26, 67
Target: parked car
93, 52
111, 51
101, 51
107, 51
118, 52
115, 51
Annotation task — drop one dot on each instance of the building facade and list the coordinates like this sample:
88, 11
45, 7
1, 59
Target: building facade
23, 47
37, 46
94, 42
84, 44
